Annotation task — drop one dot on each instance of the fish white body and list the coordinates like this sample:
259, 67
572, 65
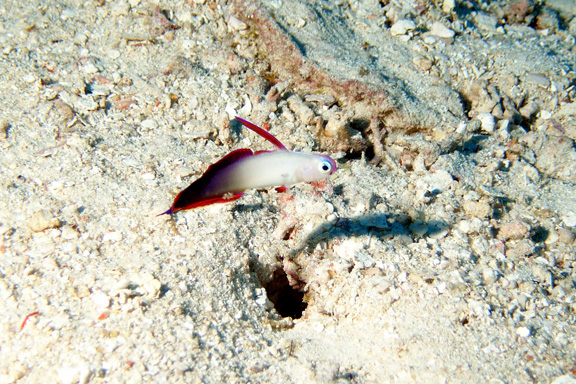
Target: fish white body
270, 169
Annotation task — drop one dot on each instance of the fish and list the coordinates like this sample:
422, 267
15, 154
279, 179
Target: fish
242, 169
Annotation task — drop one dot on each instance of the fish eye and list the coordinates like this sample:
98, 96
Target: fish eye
325, 166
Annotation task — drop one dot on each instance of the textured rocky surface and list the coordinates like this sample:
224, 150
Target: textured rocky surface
450, 258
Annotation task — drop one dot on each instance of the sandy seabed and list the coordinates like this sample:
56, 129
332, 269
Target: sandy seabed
441, 251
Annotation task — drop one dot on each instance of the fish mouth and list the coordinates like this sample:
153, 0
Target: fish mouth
334, 166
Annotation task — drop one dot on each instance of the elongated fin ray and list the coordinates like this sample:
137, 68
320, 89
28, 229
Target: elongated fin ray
265, 134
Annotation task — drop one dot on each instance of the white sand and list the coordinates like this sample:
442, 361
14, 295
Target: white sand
451, 261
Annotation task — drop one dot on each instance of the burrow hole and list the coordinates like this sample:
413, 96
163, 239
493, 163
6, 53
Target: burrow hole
288, 302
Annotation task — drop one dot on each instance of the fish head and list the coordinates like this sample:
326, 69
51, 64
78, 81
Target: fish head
319, 167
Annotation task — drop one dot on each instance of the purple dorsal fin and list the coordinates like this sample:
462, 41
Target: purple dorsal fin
230, 158
193, 197
265, 134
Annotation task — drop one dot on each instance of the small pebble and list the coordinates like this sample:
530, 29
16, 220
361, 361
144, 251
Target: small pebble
488, 122
519, 250
113, 54
81, 291
419, 165
235, 24
38, 222
90, 68
29, 78
448, 6
485, 21
148, 176
69, 233
149, 124
262, 298
523, 332
440, 30
480, 246
552, 237
480, 209
322, 98
148, 284
565, 236
531, 172
538, 79
71, 375
86, 104
462, 127
184, 171
401, 27
514, 230
529, 110
100, 299
565, 379
80, 39
547, 20
490, 276
470, 226
120, 8
569, 219
442, 287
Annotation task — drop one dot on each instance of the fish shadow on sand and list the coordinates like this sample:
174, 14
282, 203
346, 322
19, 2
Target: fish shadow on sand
378, 225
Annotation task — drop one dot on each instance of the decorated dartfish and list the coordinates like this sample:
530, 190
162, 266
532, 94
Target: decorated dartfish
242, 169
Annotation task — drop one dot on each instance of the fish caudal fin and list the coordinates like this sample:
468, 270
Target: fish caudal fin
168, 212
